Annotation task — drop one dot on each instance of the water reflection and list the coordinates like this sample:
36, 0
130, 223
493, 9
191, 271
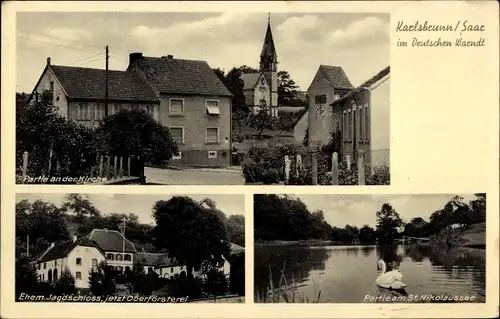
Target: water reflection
348, 273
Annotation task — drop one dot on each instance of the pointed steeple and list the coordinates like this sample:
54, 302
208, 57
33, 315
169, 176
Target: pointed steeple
268, 50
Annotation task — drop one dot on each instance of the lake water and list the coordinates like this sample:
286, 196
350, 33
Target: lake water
347, 274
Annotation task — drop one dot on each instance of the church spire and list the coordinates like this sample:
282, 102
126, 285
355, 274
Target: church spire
268, 56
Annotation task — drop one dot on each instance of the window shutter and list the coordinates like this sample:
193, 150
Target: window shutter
212, 135
176, 133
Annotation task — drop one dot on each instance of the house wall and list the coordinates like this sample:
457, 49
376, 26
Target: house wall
261, 91
194, 149
320, 127
299, 130
167, 272
96, 110
60, 100
380, 122
120, 263
85, 253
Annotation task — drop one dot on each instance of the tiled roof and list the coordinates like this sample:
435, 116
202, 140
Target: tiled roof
336, 76
366, 85
249, 80
180, 76
61, 250
111, 240
268, 48
166, 261
87, 83
148, 259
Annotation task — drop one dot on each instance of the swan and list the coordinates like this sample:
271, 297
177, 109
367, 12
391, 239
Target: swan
391, 279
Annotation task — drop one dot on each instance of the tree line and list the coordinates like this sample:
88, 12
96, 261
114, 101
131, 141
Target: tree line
285, 218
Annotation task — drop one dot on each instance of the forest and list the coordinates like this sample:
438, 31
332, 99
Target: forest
287, 218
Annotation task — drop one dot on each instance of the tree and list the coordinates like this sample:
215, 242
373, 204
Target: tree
216, 283
235, 228
478, 207
388, 224
287, 88
86, 215
101, 280
26, 276
367, 235
136, 133
189, 232
65, 285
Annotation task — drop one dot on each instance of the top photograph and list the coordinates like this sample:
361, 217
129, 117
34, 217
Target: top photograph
215, 98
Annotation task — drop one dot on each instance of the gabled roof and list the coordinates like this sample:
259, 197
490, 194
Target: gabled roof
250, 80
180, 76
366, 85
111, 240
90, 84
148, 259
62, 250
336, 76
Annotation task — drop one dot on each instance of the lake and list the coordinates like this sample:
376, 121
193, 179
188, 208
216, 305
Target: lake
347, 274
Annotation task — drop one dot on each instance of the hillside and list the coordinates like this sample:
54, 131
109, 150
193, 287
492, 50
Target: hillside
475, 235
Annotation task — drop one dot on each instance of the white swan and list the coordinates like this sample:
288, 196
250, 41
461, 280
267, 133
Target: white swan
391, 279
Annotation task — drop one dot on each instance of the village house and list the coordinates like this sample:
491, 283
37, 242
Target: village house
363, 118
119, 251
329, 84
261, 89
79, 256
195, 105
79, 93
82, 255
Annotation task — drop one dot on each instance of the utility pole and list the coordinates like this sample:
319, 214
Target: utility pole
123, 245
106, 90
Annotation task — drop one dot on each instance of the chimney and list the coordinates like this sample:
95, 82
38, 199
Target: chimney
134, 57
74, 238
170, 56
48, 60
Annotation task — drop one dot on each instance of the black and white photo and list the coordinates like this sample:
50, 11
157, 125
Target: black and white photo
130, 248
215, 98
370, 248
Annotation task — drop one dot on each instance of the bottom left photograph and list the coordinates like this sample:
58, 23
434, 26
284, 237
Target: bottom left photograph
130, 248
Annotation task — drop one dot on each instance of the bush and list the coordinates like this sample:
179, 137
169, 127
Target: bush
65, 285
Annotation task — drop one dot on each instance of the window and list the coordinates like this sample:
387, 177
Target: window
109, 256
320, 99
212, 154
177, 134
78, 261
177, 156
78, 275
367, 127
44, 265
176, 107
150, 270
212, 107
349, 119
99, 112
94, 263
212, 135
354, 126
83, 111
52, 91
161, 272
55, 274
50, 275
172, 269
119, 257
39, 267
127, 257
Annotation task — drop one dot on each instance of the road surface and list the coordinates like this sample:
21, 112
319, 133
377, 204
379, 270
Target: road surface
230, 176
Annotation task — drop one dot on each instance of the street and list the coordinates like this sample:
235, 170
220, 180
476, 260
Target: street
229, 176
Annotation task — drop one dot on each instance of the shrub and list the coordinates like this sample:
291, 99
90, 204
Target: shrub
65, 285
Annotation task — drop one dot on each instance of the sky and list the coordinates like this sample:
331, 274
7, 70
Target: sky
141, 205
358, 42
358, 210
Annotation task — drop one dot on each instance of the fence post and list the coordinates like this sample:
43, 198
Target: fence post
335, 168
298, 165
115, 166
314, 166
361, 168
121, 166
287, 169
128, 166
108, 167
348, 162
25, 164
101, 164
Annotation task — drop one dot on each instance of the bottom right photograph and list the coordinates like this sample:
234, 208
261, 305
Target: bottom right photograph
361, 248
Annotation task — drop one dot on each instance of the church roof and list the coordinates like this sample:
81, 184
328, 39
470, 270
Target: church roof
268, 48
250, 80
336, 76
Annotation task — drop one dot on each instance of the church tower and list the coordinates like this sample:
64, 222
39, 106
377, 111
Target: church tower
269, 66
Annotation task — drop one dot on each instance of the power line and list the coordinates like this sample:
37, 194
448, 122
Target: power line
88, 57
55, 44
65, 40
88, 62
